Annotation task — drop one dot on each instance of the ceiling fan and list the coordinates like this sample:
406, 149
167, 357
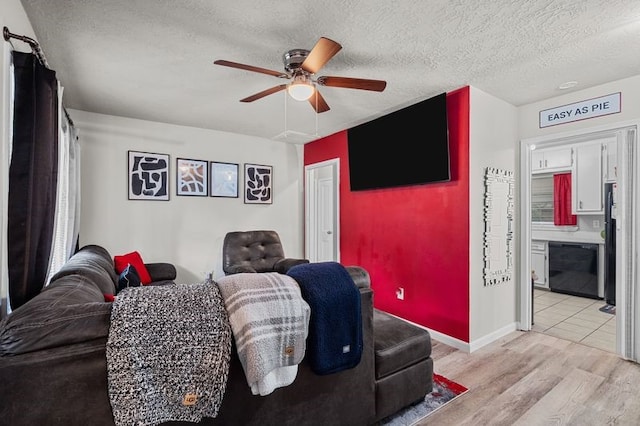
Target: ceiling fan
300, 65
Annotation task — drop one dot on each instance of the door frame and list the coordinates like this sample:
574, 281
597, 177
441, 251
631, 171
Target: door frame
311, 226
627, 294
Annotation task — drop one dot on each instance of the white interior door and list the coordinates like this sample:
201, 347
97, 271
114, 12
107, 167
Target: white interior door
326, 244
322, 234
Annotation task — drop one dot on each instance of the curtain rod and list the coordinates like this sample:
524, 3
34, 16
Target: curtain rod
37, 50
35, 46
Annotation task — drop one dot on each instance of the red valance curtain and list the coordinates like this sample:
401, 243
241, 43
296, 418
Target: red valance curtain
562, 200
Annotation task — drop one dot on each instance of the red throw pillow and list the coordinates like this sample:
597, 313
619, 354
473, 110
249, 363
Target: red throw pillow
135, 259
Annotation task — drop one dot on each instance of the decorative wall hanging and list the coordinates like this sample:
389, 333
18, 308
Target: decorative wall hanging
148, 176
192, 177
258, 188
498, 226
224, 179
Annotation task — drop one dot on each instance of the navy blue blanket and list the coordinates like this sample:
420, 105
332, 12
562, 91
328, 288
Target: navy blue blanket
334, 342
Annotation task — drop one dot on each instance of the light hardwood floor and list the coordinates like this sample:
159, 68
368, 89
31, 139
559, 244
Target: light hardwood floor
530, 378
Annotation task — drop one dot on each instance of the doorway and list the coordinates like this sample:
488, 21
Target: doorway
322, 207
626, 232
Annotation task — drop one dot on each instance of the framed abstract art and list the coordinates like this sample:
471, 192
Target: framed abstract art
258, 184
148, 176
224, 179
192, 177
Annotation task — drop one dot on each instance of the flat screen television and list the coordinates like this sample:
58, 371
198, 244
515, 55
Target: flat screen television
409, 146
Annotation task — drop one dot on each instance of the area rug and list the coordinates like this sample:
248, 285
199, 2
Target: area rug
444, 391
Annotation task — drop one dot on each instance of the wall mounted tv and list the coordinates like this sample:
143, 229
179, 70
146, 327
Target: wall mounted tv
414, 149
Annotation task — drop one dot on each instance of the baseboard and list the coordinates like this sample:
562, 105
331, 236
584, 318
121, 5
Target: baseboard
492, 337
464, 346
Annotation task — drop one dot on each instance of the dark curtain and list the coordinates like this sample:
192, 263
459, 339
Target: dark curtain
32, 177
562, 200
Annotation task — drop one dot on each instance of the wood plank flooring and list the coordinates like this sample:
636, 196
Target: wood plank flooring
530, 378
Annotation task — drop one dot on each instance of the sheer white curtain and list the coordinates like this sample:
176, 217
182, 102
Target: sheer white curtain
67, 222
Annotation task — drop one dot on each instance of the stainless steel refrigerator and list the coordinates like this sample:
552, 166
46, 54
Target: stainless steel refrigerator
610, 243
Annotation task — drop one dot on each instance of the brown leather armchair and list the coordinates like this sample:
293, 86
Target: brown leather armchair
255, 251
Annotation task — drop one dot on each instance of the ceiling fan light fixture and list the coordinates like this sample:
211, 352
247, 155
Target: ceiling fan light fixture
300, 88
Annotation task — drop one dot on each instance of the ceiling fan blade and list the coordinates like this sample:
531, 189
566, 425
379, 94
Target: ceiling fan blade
264, 93
352, 83
250, 68
318, 103
324, 50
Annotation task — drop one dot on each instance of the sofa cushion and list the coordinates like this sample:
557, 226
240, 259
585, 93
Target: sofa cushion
398, 344
72, 311
134, 259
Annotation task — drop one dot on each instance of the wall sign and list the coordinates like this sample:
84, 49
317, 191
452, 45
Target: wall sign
596, 107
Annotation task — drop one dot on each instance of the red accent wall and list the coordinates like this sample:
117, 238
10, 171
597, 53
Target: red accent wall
416, 237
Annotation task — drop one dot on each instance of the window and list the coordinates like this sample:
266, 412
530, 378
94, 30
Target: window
542, 199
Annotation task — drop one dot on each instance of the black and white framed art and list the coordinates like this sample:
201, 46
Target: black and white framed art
258, 184
148, 176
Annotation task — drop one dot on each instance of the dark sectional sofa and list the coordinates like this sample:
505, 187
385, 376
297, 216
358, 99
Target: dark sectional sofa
53, 366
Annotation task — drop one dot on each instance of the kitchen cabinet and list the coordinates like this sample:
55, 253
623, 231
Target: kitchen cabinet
586, 178
539, 263
610, 160
550, 160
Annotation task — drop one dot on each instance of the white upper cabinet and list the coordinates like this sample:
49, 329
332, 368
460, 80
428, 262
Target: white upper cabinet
551, 160
586, 178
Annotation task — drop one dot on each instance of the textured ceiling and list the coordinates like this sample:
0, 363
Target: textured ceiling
153, 59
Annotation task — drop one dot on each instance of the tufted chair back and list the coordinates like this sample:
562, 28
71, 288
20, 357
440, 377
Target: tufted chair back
255, 251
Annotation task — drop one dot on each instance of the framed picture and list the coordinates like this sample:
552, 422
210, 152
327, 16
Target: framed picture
258, 184
192, 177
224, 179
148, 176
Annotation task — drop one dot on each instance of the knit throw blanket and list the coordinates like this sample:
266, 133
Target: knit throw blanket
335, 330
270, 323
168, 354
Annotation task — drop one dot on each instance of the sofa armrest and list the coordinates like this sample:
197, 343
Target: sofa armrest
161, 271
283, 265
360, 276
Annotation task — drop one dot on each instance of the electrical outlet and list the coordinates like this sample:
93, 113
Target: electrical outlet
400, 293
596, 224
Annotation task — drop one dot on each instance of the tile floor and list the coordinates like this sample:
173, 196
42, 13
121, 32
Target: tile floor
574, 318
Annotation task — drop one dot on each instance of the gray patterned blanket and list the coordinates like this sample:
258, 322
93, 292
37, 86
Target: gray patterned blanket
168, 354
270, 321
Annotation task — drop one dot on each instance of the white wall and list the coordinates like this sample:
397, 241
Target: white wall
492, 143
186, 230
528, 115
14, 18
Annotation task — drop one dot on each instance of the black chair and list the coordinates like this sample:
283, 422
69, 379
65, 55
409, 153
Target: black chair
255, 251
